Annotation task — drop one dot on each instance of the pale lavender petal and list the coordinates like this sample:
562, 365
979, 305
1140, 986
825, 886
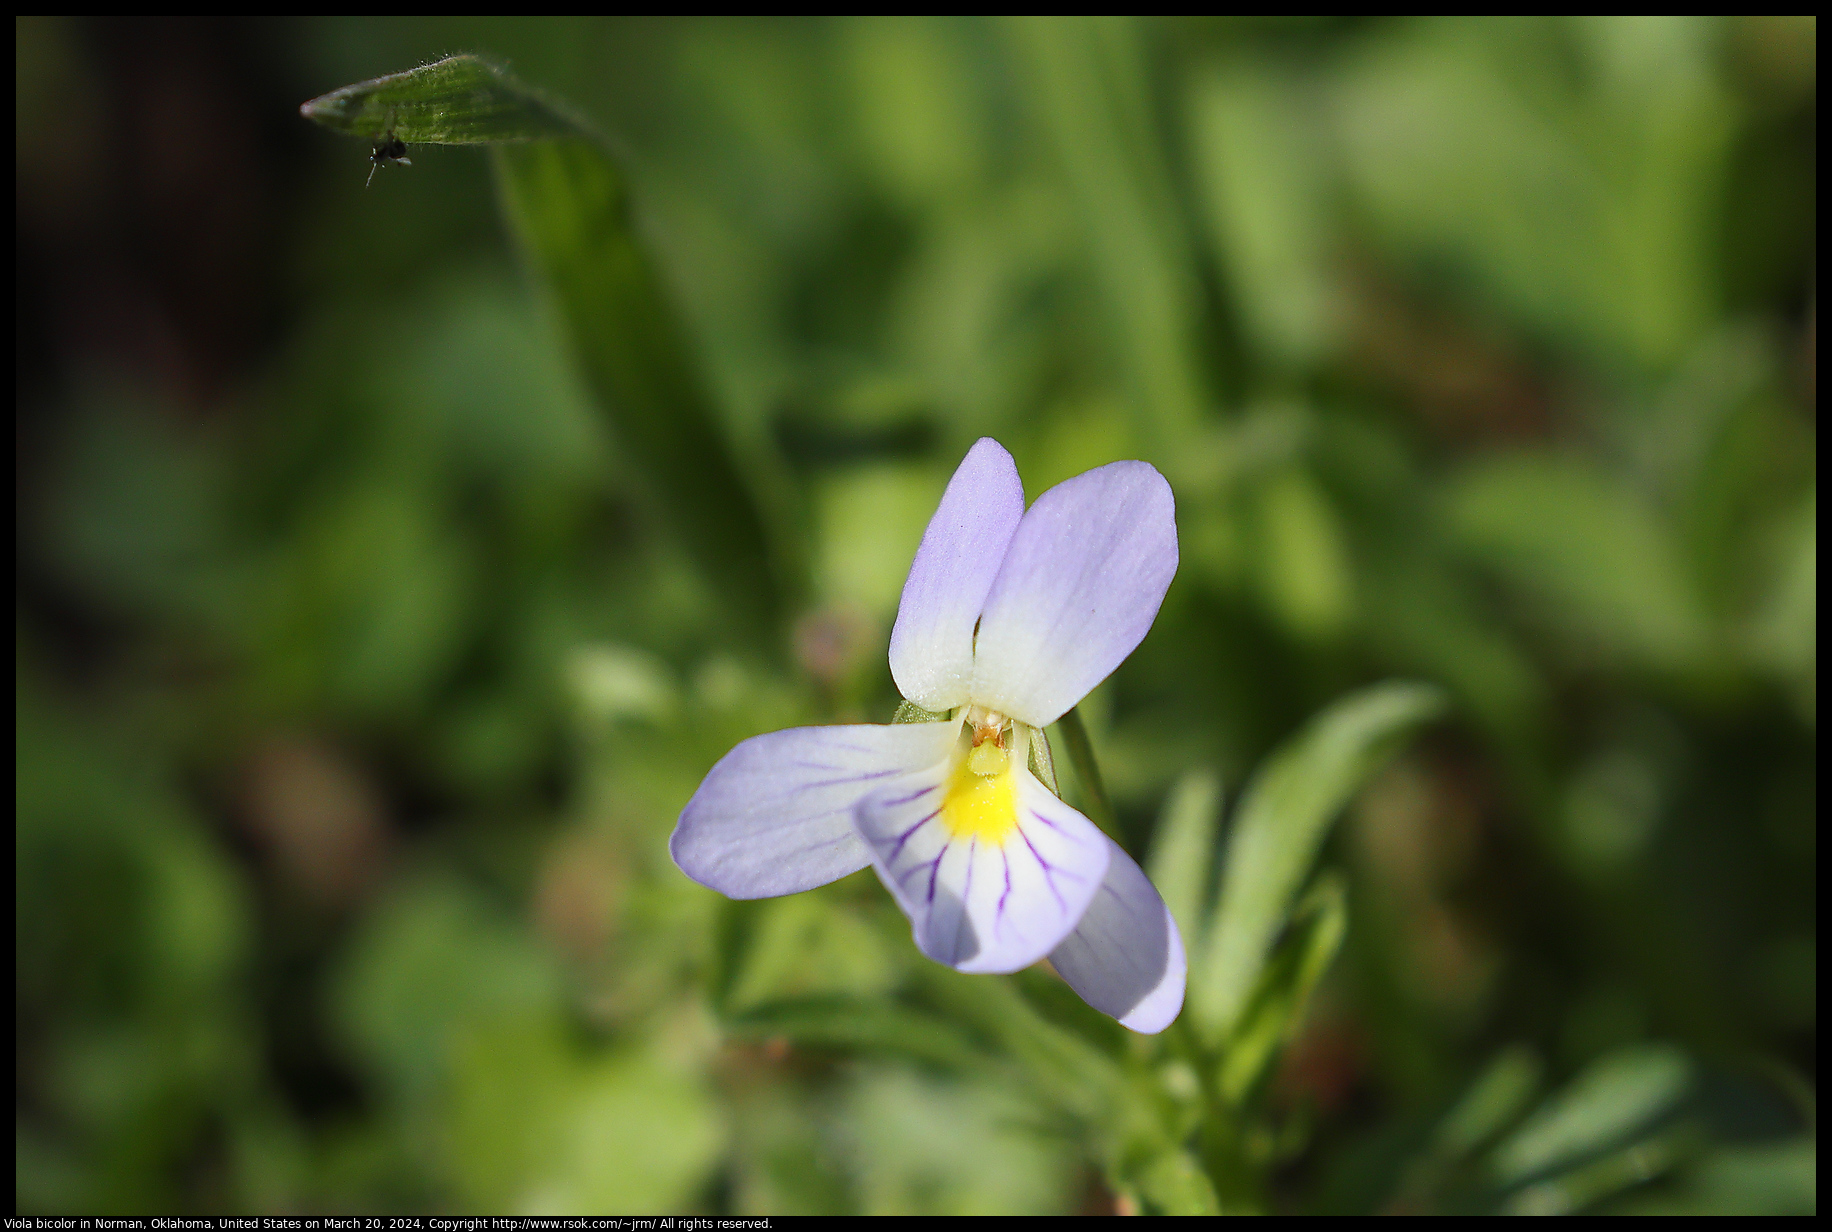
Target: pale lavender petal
976, 904
932, 641
1125, 957
774, 816
1080, 586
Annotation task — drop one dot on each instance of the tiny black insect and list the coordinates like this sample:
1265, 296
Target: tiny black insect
388, 149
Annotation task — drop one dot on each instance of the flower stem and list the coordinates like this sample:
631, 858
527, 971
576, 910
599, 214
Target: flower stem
1081, 755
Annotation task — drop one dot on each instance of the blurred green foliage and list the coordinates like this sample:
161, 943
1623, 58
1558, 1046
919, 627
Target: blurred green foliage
393, 563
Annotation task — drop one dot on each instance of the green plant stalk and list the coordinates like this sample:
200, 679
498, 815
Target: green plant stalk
1081, 755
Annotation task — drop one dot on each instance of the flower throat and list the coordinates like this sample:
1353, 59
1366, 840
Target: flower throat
981, 800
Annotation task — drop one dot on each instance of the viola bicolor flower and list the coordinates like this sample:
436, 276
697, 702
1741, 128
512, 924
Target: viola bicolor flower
1009, 617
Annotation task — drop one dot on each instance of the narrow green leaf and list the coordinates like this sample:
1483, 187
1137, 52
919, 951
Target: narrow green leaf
461, 100
1087, 81
567, 203
1173, 1184
1276, 1009
1280, 824
1183, 851
1616, 1096
1605, 562
1493, 1100
1063, 1068
1635, 1164
875, 1025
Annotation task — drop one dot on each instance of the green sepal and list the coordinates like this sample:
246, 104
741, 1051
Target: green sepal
910, 712
1042, 763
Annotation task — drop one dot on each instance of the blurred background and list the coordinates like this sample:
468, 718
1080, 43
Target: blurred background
359, 680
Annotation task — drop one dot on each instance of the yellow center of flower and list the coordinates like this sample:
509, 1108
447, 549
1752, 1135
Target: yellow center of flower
981, 801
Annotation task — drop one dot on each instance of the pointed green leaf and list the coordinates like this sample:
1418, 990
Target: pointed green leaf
1086, 83
1492, 1101
461, 100
1614, 1097
567, 203
1173, 1184
1277, 1006
1605, 561
1183, 851
874, 1025
1280, 824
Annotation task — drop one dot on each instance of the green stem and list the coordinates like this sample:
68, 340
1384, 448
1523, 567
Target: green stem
1081, 756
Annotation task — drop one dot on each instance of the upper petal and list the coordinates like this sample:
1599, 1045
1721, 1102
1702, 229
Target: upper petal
979, 903
1079, 588
932, 641
1126, 957
774, 815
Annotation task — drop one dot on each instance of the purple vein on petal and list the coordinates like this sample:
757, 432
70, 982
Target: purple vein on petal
917, 867
1131, 909
856, 778
1045, 864
915, 795
934, 872
905, 837
1004, 855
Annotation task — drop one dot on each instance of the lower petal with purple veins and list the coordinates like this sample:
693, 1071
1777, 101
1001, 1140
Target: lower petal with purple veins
992, 875
1125, 957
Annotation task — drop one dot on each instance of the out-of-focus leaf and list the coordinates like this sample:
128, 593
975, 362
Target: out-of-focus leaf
804, 945
1492, 1101
1276, 1009
874, 1025
1769, 1178
623, 682
1784, 635
1065, 1069
538, 1128
1570, 534
1584, 1187
567, 203
1610, 809
1279, 825
1615, 1096
1303, 566
1092, 101
1259, 155
1587, 218
431, 964
1173, 1184
1182, 858
929, 1145
870, 520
